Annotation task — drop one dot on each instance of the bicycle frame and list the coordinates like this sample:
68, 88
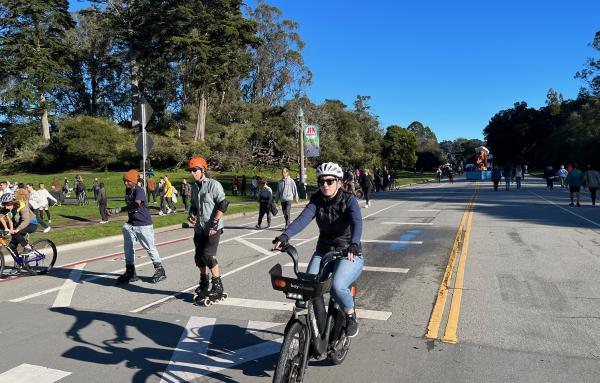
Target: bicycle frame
308, 290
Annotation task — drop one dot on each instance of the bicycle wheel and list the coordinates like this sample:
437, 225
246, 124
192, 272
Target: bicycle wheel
289, 365
9, 266
42, 258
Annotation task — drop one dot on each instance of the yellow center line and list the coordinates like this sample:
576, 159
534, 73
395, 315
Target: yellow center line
437, 313
452, 325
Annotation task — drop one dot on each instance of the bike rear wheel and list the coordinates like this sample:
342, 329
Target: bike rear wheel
42, 258
290, 365
341, 348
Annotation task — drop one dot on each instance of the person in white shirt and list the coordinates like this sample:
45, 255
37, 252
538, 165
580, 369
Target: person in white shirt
36, 201
562, 175
286, 193
47, 197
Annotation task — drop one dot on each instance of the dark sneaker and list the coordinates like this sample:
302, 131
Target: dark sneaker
571, 204
351, 326
578, 205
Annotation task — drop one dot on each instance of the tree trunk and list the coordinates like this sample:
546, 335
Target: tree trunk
45, 124
201, 120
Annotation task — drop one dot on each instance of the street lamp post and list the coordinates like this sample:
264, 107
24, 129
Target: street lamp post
301, 131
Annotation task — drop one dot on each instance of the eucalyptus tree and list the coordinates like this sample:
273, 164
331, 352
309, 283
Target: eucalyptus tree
278, 69
33, 57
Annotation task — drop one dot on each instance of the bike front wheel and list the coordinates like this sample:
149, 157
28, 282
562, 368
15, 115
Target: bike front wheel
42, 258
290, 366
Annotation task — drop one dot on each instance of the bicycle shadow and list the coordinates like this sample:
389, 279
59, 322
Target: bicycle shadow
148, 346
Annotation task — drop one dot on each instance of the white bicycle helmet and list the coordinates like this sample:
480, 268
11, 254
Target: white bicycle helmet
330, 169
7, 197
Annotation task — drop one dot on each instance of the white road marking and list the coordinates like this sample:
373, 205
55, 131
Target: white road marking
407, 223
194, 340
65, 294
108, 275
29, 373
270, 254
565, 209
249, 244
189, 360
255, 326
365, 268
384, 209
288, 306
362, 240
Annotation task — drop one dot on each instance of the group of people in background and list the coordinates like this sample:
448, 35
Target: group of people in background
573, 179
510, 173
38, 201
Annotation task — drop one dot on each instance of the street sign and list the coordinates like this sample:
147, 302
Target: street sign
143, 112
139, 143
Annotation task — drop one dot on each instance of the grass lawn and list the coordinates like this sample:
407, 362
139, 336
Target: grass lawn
72, 217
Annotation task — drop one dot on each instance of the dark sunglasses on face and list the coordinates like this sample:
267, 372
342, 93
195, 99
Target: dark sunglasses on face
193, 170
328, 181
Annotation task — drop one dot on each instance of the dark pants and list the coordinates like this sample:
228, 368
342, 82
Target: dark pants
170, 204
103, 215
40, 219
496, 185
593, 193
19, 238
550, 183
366, 192
286, 206
152, 193
264, 209
184, 199
243, 190
96, 191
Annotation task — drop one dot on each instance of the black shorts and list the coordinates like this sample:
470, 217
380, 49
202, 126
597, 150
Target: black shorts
574, 189
206, 245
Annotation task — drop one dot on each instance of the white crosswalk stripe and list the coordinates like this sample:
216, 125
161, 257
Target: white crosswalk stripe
29, 373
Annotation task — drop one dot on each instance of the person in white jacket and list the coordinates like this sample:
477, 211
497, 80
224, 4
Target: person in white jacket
47, 197
36, 201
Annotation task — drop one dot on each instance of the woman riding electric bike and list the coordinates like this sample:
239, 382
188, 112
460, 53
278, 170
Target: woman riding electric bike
340, 228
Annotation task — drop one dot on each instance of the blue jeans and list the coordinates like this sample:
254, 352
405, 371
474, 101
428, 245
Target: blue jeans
145, 236
344, 274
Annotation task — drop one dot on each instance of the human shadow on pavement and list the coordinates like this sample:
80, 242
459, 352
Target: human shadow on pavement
147, 346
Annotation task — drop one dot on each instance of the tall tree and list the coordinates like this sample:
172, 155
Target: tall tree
399, 146
591, 73
33, 56
278, 68
210, 41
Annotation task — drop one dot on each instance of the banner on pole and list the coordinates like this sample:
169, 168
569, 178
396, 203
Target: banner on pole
311, 141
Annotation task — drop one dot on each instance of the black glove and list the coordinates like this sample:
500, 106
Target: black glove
283, 239
353, 248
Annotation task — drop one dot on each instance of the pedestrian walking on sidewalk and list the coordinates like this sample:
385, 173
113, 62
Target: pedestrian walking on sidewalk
508, 176
549, 176
518, 176
265, 200
286, 193
562, 175
367, 185
102, 203
49, 199
138, 228
186, 193
496, 176
207, 207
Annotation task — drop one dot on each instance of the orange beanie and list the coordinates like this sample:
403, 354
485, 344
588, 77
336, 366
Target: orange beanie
131, 176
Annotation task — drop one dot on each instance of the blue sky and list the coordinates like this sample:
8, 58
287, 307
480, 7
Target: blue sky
450, 65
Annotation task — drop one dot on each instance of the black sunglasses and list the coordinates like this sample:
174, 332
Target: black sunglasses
328, 181
193, 170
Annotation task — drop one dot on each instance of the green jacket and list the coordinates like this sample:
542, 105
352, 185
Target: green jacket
575, 178
205, 197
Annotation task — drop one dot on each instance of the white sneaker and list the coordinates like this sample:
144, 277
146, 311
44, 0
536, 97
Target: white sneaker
161, 213
49, 221
103, 221
169, 211
47, 229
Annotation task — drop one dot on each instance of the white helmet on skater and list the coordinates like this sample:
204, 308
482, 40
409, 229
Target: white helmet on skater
330, 169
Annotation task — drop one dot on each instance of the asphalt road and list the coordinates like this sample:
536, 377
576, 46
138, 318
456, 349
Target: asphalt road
523, 293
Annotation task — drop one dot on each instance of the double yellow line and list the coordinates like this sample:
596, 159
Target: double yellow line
437, 315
